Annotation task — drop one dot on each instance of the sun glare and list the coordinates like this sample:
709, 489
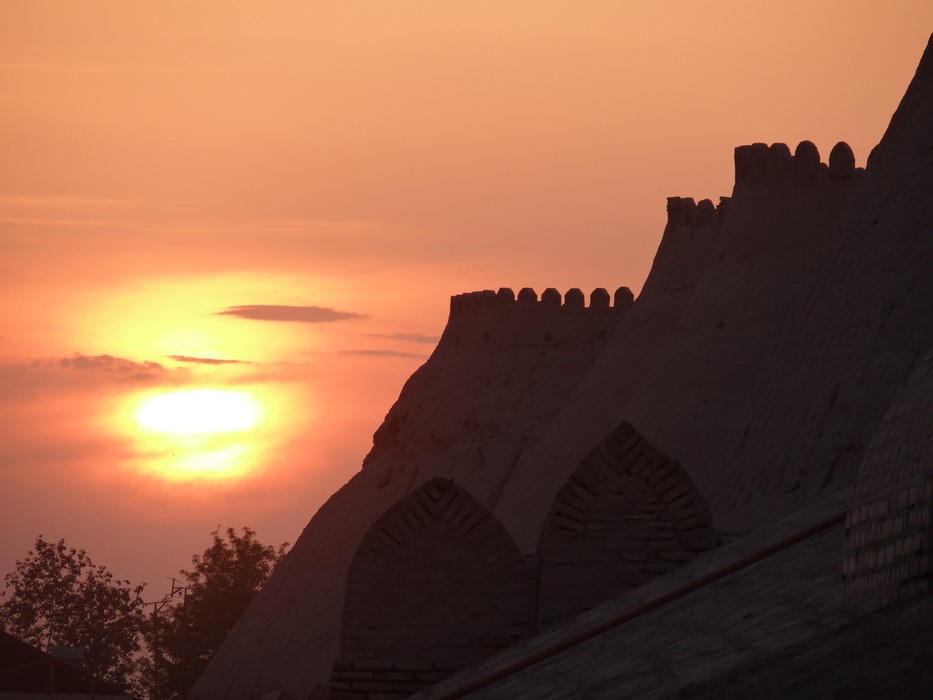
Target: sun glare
198, 434
198, 412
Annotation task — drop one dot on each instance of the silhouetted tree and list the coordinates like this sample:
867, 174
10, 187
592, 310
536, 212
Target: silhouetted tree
211, 597
56, 596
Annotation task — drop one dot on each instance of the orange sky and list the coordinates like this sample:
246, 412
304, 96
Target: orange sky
163, 162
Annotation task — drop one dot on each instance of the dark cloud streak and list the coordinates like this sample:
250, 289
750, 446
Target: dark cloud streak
384, 353
300, 314
207, 360
108, 363
408, 337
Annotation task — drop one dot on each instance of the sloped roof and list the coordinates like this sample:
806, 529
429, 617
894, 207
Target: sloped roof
25, 669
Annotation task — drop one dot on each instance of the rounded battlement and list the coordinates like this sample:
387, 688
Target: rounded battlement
551, 298
841, 160
780, 164
485, 320
599, 298
759, 163
806, 160
623, 298
574, 299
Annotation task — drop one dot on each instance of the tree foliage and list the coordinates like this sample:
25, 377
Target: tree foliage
56, 596
213, 594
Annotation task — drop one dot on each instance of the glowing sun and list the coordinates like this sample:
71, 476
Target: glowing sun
198, 412
198, 434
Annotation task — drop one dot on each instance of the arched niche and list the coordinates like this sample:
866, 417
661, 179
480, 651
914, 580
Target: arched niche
887, 554
435, 585
627, 514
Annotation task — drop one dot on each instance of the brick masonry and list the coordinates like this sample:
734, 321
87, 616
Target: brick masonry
435, 585
782, 602
888, 526
628, 514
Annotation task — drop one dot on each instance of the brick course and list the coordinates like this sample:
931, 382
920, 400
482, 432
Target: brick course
629, 513
888, 526
435, 585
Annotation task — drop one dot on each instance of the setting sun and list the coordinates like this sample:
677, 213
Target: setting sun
202, 434
198, 412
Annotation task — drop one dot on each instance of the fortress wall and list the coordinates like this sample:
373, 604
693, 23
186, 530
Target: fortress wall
762, 351
627, 515
502, 367
463, 414
687, 362
435, 585
865, 325
698, 394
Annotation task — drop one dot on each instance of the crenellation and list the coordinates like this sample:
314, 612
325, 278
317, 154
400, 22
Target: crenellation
684, 211
751, 163
599, 299
623, 299
722, 209
780, 165
527, 296
574, 299
706, 212
679, 210
759, 163
550, 297
806, 160
841, 160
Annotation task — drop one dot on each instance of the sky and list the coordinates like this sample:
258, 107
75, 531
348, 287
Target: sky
229, 231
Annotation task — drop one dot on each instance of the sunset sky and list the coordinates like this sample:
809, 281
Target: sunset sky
229, 231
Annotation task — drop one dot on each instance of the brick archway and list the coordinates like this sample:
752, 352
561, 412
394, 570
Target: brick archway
436, 584
627, 514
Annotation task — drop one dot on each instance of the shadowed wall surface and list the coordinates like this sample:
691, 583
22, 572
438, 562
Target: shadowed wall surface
628, 514
888, 535
435, 585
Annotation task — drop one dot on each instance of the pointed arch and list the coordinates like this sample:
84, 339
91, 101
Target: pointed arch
627, 514
436, 584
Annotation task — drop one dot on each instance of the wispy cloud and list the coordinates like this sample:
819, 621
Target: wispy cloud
301, 314
85, 373
384, 353
207, 360
108, 363
407, 337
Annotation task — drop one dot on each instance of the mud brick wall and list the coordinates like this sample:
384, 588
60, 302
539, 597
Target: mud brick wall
629, 513
888, 526
436, 584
